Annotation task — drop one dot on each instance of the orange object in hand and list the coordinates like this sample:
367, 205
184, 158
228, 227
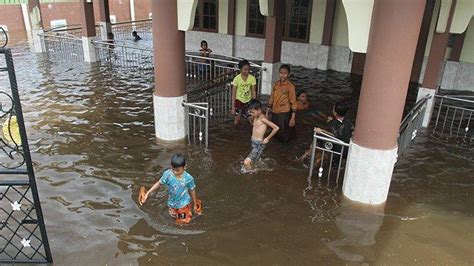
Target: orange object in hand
141, 195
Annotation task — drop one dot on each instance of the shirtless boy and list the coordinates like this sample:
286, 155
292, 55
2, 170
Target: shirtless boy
258, 140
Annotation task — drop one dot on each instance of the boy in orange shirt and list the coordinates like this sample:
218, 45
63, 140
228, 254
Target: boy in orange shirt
283, 105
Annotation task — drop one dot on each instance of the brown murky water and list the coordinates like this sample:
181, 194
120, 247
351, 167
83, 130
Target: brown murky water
92, 139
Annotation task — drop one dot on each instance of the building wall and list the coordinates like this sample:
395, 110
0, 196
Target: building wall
223, 12
467, 53
240, 17
340, 35
142, 9
15, 18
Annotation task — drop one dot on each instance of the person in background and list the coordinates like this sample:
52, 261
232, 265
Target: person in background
302, 100
136, 37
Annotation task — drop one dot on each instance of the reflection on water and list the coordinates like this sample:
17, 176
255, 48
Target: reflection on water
92, 139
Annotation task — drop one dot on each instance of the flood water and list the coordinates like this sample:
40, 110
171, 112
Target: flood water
92, 140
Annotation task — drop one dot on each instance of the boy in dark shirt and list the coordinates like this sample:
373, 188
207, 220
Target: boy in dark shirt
339, 127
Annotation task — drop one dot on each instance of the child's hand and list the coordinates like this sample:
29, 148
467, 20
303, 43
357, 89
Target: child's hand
317, 130
329, 119
143, 199
265, 140
292, 122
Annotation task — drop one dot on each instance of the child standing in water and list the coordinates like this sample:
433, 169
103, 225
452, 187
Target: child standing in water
283, 105
181, 190
205, 51
258, 140
302, 98
243, 90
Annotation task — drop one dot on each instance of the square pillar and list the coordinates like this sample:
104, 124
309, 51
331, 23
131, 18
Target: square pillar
88, 31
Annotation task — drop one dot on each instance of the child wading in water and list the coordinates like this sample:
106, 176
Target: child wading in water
258, 140
283, 105
243, 90
181, 191
303, 102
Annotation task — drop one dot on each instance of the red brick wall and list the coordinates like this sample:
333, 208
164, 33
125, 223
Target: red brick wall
142, 9
68, 11
11, 16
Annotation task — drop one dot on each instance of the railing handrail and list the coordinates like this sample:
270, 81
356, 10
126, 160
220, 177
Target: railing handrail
60, 36
211, 58
120, 44
414, 110
454, 98
130, 21
64, 28
327, 137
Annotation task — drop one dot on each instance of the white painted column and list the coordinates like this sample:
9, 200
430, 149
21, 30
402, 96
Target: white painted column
37, 41
368, 174
132, 10
170, 117
322, 57
89, 49
103, 30
26, 18
269, 76
422, 92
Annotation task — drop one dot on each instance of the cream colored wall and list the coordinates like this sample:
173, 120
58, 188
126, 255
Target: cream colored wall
223, 13
340, 34
467, 53
240, 17
317, 21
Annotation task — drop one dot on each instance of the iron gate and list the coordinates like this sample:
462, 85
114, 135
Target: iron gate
23, 237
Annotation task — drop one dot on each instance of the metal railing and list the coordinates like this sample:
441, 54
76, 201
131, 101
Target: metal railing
454, 114
411, 124
23, 237
125, 56
62, 46
328, 156
198, 123
123, 30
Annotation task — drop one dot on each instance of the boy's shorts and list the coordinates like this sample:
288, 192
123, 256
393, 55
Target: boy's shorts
182, 215
241, 109
257, 150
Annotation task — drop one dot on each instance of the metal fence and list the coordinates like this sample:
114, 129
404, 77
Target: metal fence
123, 30
198, 123
411, 124
454, 114
62, 46
23, 237
328, 157
124, 56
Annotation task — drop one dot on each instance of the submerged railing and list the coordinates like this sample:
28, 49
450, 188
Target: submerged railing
198, 123
454, 115
328, 157
411, 124
123, 55
123, 30
62, 46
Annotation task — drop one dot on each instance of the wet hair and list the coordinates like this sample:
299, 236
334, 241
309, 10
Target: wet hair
134, 33
285, 66
110, 35
340, 108
178, 160
243, 63
204, 42
299, 92
255, 104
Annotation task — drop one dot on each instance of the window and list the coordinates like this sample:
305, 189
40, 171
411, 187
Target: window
206, 16
255, 20
297, 20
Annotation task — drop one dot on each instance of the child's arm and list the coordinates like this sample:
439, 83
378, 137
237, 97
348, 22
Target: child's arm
193, 196
234, 92
293, 105
153, 188
274, 127
254, 91
320, 130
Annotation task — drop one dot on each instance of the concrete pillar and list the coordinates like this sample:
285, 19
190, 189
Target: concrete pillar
88, 30
391, 48
168, 56
434, 67
273, 41
327, 35
231, 23
36, 23
104, 19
